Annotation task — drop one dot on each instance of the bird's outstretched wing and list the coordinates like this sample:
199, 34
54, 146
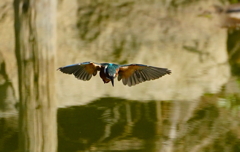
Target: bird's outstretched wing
82, 71
132, 74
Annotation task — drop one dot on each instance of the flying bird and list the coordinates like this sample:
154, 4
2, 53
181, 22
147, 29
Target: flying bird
130, 74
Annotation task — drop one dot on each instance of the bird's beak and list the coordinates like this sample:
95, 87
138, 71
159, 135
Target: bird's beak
112, 80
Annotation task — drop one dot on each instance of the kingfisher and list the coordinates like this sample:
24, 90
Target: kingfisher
130, 74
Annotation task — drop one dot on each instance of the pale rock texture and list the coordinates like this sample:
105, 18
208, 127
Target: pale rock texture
165, 34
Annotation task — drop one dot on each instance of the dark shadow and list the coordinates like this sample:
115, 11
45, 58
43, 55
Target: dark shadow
9, 134
233, 47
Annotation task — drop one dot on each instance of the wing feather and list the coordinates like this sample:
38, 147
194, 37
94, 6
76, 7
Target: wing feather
134, 78
124, 81
132, 74
83, 71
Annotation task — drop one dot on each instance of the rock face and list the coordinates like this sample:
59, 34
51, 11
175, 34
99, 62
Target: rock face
156, 33
7, 96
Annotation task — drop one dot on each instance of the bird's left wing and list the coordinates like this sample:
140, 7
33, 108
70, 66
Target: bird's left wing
132, 74
82, 71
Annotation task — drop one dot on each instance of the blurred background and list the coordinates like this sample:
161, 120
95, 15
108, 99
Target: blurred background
195, 109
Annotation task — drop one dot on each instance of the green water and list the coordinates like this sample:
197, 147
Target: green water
114, 124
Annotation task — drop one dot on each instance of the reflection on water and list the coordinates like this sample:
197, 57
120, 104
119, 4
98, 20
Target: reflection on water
113, 124
121, 125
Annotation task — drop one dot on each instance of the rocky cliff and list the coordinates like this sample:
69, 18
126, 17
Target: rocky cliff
168, 34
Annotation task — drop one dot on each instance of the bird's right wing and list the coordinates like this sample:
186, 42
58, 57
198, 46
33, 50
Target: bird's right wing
82, 71
132, 74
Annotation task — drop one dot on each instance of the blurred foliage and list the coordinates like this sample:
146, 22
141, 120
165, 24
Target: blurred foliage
231, 102
233, 1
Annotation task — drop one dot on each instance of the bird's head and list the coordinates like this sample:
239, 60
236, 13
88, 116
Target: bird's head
110, 71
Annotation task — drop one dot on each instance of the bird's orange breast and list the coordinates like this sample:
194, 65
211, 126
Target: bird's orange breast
103, 75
